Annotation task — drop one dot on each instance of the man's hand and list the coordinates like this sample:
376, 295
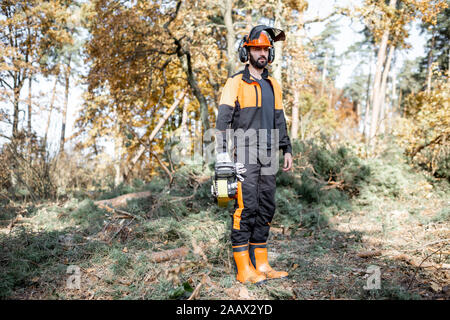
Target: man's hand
287, 162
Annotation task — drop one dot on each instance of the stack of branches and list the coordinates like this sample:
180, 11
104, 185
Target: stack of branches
187, 181
328, 167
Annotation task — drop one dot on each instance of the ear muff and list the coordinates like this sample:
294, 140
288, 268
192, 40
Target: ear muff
271, 52
243, 51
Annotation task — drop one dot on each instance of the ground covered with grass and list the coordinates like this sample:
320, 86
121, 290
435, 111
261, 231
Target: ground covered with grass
337, 215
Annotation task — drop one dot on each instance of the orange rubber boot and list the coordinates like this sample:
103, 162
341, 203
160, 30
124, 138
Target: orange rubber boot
246, 271
262, 264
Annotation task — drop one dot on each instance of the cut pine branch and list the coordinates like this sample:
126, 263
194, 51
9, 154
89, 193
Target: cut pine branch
111, 205
436, 140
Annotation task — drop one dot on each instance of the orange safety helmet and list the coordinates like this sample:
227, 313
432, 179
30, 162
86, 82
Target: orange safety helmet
262, 41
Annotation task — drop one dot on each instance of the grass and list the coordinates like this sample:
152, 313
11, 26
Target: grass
316, 236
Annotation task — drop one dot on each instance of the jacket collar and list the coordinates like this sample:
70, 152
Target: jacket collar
246, 75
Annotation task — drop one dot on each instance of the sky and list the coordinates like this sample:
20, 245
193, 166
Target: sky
348, 36
316, 8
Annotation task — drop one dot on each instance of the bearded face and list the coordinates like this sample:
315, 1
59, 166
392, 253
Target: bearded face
259, 57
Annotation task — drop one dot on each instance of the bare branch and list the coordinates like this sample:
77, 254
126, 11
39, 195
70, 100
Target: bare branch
318, 19
3, 82
164, 167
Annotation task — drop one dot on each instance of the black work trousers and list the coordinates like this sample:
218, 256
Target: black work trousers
255, 206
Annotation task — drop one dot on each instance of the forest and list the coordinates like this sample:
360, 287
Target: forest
105, 182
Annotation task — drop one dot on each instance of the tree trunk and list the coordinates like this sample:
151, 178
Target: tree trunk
30, 81
184, 128
47, 126
430, 63
293, 76
367, 111
394, 95
15, 133
330, 100
118, 141
15, 128
295, 114
231, 36
186, 63
448, 68
376, 94
356, 109
322, 84
276, 64
304, 122
66, 103
29, 104
376, 86
383, 89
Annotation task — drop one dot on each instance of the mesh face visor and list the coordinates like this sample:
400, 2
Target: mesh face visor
274, 33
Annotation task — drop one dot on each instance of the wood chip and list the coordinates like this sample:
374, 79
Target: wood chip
243, 293
196, 291
369, 254
276, 230
436, 287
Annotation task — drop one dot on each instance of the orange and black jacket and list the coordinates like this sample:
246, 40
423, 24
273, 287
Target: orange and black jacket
240, 106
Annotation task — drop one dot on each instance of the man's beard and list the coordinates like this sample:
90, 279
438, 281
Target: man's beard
256, 63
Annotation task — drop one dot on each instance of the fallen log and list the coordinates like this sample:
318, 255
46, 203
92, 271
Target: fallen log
121, 201
369, 254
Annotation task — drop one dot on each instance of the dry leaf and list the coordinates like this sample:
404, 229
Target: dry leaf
232, 293
276, 230
196, 291
126, 282
243, 293
436, 287
125, 250
198, 250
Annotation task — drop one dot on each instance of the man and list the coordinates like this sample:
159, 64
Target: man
252, 100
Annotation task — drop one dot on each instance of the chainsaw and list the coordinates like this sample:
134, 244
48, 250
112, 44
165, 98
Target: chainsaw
225, 181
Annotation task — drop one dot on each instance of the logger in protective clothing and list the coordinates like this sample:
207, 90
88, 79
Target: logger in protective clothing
252, 100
